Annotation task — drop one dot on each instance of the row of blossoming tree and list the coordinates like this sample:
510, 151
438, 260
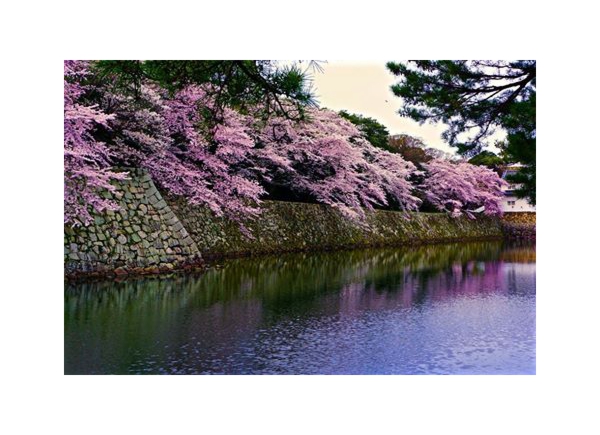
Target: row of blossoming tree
228, 158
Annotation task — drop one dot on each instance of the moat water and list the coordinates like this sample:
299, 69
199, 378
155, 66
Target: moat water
438, 309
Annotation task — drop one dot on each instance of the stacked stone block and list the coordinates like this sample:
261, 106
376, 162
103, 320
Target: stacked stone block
523, 217
151, 233
143, 236
289, 226
519, 225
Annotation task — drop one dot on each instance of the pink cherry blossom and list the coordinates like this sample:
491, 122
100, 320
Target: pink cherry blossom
458, 188
87, 161
224, 159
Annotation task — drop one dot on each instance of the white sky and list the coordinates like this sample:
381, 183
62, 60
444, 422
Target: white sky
364, 88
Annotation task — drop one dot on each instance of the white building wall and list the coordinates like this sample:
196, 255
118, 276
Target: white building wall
512, 203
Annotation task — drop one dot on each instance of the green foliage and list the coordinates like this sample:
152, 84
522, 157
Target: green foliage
474, 98
235, 83
487, 158
375, 132
519, 146
526, 179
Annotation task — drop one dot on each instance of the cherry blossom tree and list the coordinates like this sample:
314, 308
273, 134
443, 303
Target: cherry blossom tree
329, 158
87, 161
207, 165
167, 136
224, 158
461, 188
224, 165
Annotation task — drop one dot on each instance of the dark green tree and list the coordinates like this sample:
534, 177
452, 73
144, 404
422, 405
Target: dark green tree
474, 99
489, 159
239, 83
375, 132
519, 145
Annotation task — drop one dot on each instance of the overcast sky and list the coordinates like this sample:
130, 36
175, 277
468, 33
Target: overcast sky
364, 88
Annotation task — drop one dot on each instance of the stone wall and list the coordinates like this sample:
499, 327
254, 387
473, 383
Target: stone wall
519, 225
515, 230
152, 233
144, 236
287, 226
520, 217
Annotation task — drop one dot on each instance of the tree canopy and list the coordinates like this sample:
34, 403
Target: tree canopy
474, 99
487, 158
375, 132
411, 148
231, 161
227, 166
461, 188
233, 83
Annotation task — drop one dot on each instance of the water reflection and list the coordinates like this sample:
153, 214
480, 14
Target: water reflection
454, 308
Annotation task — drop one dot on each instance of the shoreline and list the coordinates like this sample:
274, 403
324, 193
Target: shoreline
211, 260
